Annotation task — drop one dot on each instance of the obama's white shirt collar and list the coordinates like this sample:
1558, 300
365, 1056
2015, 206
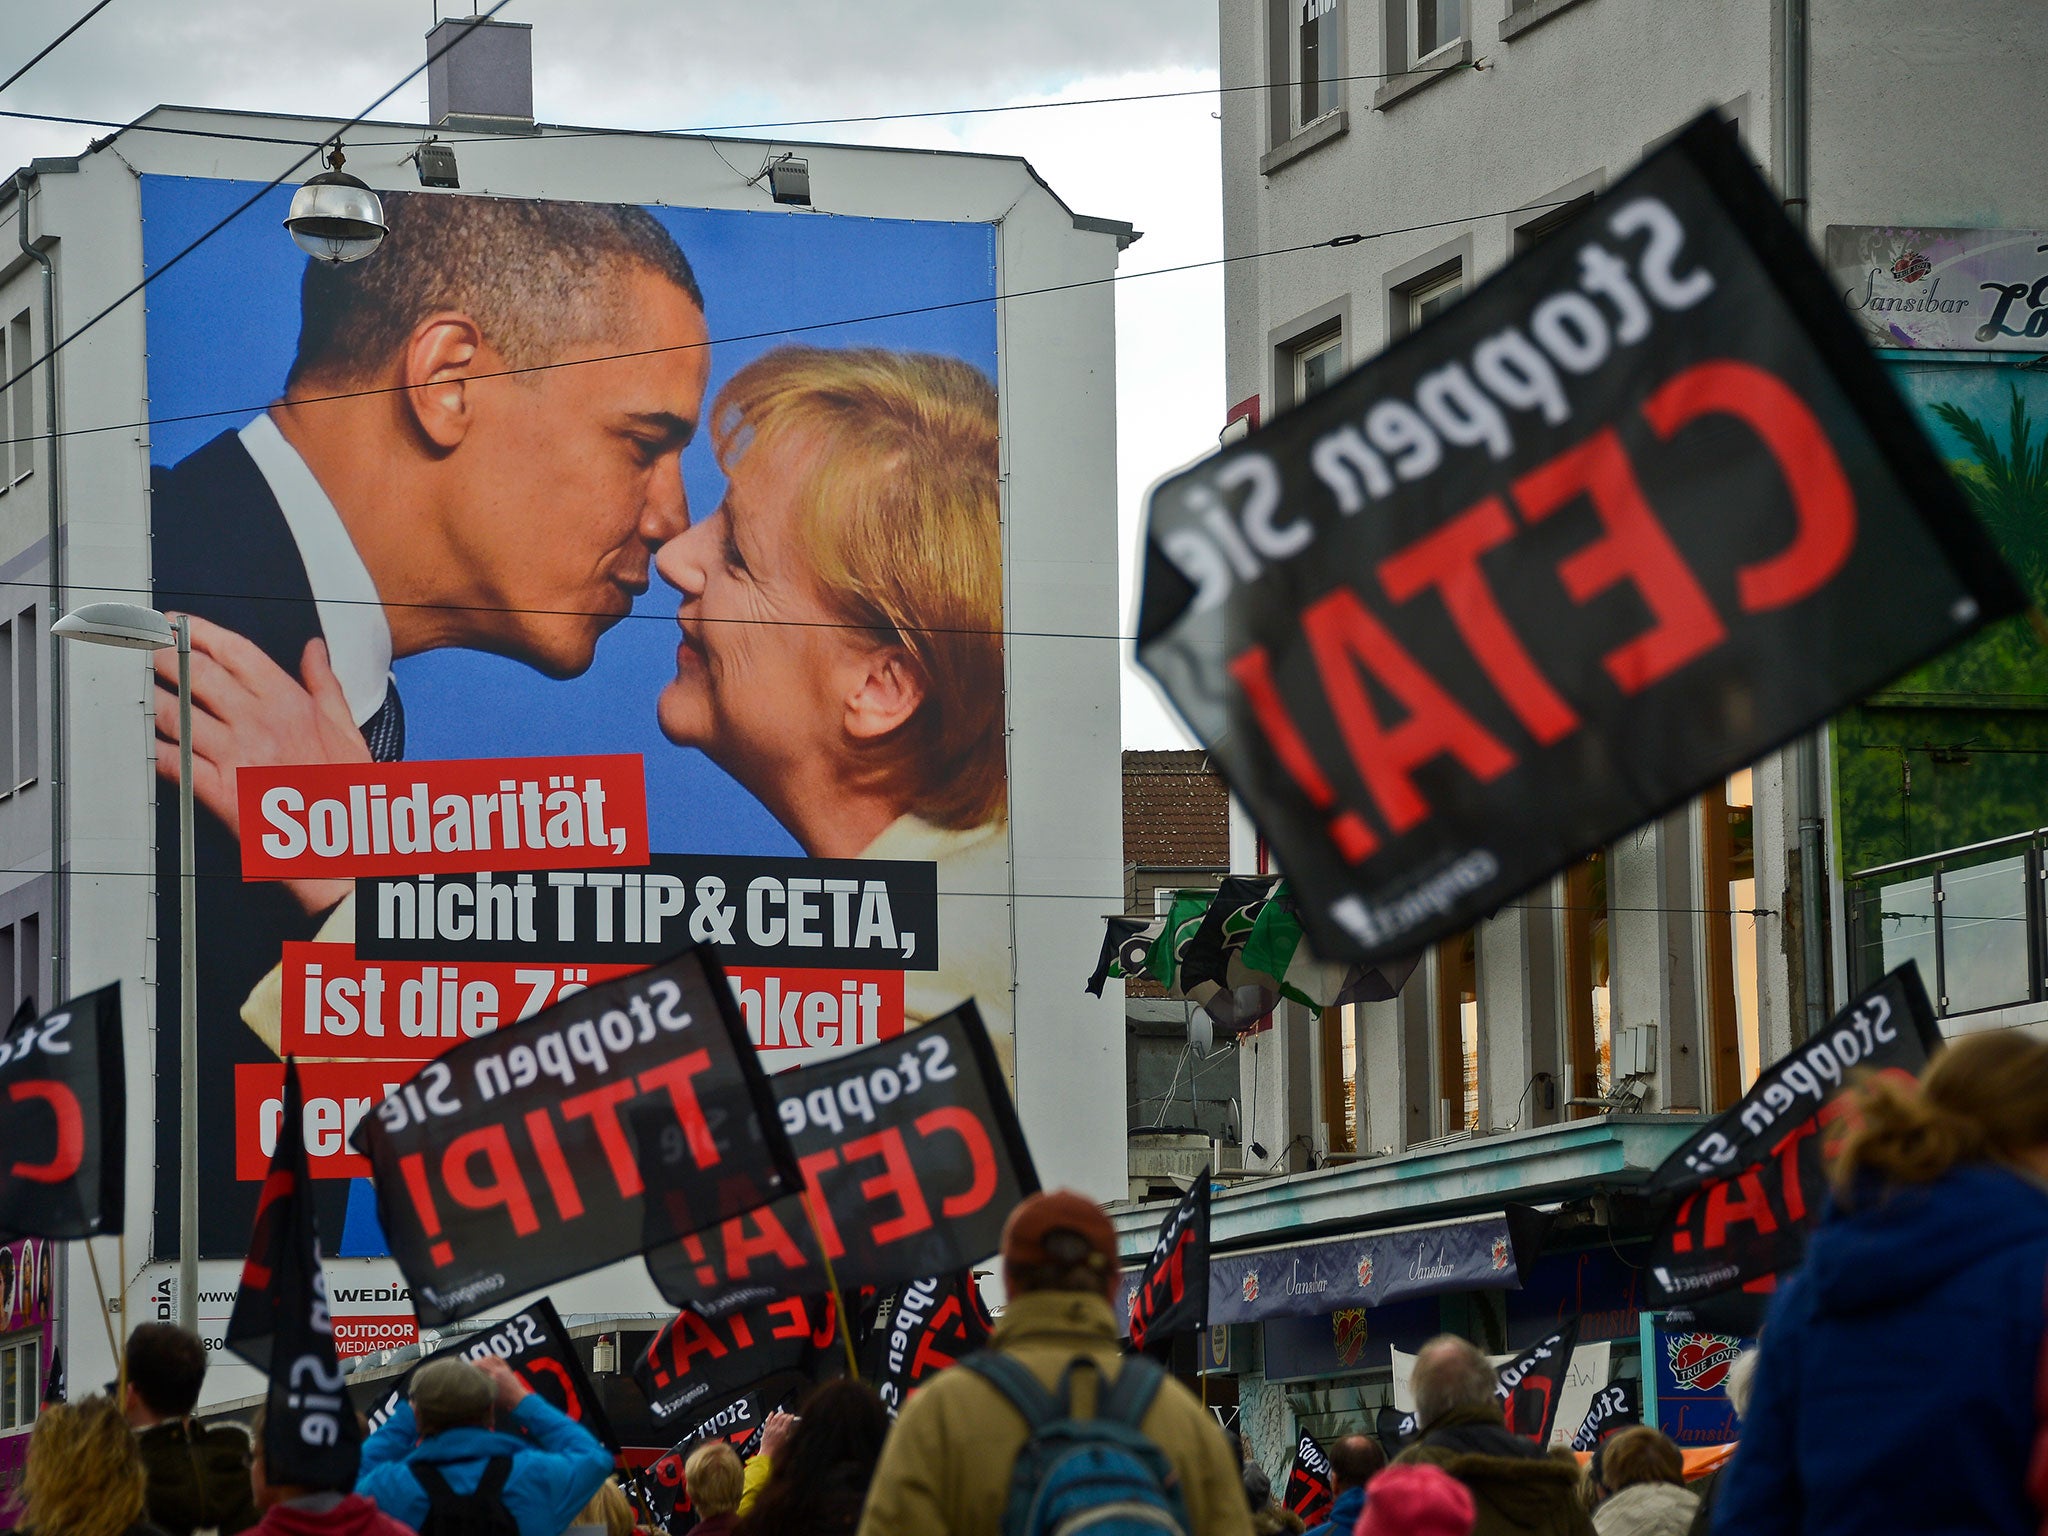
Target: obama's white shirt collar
351, 613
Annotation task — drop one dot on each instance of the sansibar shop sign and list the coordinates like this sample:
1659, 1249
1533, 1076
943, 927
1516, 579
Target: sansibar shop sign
1971, 290
1635, 511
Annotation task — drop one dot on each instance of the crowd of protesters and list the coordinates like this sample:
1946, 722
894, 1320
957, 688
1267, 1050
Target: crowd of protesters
1930, 1266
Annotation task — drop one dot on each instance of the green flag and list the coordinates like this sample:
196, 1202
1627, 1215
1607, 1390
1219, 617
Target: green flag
1183, 918
1278, 948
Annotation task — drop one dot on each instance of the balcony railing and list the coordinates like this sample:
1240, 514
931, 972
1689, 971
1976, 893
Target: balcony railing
1972, 917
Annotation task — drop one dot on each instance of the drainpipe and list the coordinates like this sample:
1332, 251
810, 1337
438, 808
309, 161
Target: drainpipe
51, 463
1809, 792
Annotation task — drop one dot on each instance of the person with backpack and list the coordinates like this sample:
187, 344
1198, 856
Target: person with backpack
440, 1465
1052, 1427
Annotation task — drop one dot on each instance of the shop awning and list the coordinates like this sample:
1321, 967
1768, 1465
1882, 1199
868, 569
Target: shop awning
1372, 1269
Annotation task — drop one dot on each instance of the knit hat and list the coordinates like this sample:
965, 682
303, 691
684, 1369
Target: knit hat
450, 1391
1416, 1499
1038, 1216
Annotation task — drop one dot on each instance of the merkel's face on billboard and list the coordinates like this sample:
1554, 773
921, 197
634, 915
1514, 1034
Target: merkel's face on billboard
764, 661
574, 479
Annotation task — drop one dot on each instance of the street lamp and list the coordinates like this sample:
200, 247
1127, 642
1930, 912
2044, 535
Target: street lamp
144, 629
334, 217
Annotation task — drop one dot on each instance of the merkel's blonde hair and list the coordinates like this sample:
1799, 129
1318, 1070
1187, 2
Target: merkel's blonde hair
715, 1479
900, 518
1984, 1097
84, 1474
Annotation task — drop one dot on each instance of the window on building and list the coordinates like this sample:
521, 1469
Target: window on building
1434, 24
28, 964
28, 727
1457, 1034
1728, 862
1529, 235
1587, 1012
1317, 363
7, 776
21, 415
1418, 302
20, 1383
1318, 28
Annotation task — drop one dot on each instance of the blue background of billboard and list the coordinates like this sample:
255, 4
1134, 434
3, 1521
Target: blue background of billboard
224, 322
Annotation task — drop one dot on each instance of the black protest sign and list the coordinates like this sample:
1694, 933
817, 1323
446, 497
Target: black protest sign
1173, 1294
913, 1156
1311, 1483
538, 1348
931, 1324
698, 1364
1615, 1407
64, 1121
1394, 1430
665, 1493
622, 1117
1530, 1385
281, 1324
1634, 511
1750, 1184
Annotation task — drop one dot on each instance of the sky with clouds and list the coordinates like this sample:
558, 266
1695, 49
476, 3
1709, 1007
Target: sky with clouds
657, 64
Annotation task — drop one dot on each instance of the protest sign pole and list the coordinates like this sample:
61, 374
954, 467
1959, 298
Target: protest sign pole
121, 1274
100, 1286
832, 1281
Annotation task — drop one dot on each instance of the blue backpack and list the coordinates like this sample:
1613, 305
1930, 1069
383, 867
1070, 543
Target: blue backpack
1087, 1477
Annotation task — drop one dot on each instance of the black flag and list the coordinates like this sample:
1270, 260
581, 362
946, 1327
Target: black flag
1530, 1385
697, 1364
1748, 1186
63, 1121
1615, 1407
931, 1324
1173, 1294
538, 1348
619, 1119
1395, 1430
281, 1324
53, 1384
914, 1157
1118, 960
1532, 576
1311, 1484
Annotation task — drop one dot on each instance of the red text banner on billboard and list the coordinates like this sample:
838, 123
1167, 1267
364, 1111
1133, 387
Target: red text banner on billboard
63, 1121
1748, 1186
1172, 1295
859, 914
1636, 510
337, 1005
699, 1364
912, 1159
536, 1345
627, 1115
338, 821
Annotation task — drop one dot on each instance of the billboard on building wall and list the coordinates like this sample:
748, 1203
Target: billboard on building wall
587, 581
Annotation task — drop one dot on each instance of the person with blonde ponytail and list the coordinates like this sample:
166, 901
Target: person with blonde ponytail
84, 1474
1895, 1387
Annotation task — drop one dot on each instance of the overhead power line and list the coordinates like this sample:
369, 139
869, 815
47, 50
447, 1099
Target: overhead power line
51, 47
137, 125
1333, 243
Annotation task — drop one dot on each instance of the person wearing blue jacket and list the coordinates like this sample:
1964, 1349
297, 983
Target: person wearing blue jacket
447, 1423
1895, 1388
1354, 1461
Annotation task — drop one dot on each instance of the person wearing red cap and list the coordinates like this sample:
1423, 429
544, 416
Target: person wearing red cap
946, 1470
1417, 1501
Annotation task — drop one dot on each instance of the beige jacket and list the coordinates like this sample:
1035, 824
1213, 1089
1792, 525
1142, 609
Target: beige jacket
945, 1470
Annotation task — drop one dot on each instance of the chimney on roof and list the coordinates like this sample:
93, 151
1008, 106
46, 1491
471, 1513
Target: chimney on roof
484, 82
